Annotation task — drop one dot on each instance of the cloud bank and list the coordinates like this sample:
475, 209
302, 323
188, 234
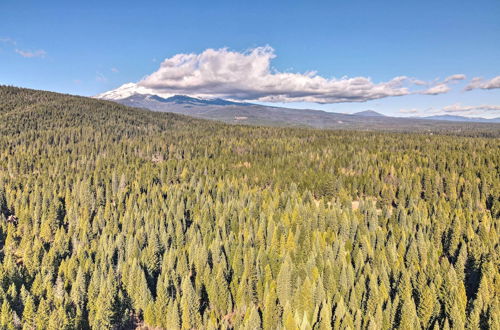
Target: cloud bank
249, 76
484, 111
480, 83
464, 108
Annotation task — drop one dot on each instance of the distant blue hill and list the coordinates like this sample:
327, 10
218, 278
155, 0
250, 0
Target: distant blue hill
463, 119
369, 113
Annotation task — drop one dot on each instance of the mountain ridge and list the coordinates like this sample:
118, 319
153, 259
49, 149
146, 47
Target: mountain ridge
250, 113
182, 99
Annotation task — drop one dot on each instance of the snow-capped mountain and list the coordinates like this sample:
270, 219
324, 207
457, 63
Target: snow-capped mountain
135, 95
132, 92
124, 91
155, 102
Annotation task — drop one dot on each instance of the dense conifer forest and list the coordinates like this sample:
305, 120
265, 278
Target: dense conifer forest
115, 218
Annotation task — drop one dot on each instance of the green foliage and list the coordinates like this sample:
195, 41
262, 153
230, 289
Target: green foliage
114, 217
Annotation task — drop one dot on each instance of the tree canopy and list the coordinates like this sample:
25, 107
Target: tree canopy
114, 217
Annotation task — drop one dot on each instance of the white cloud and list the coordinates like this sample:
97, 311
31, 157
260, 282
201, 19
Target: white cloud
30, 54
471, 111
455, 77
419, 82
437, 86
24, 53
437, 89
484, 111
408, 111
483, 84
249, 76
115, 70
457, 107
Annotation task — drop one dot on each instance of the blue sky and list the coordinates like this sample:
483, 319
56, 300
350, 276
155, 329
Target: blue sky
90, 47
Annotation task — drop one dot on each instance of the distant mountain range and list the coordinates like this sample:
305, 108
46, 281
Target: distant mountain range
463, 119
255, 114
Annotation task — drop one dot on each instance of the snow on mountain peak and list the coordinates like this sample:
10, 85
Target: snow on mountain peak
124, 91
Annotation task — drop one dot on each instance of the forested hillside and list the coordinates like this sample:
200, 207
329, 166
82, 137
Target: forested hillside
254, 114
114, 217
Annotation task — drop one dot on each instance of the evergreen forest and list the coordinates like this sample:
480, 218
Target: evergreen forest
114, 217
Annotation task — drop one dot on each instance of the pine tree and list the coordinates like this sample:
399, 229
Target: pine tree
106, 303
407, 314
3, 199
284, 283
325, 317
306, 299
173, 321
190, 305
288, 319
29, 313
58, 320
7, 316
150, 314
426, 305
43, 313
252, 319
271, 311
